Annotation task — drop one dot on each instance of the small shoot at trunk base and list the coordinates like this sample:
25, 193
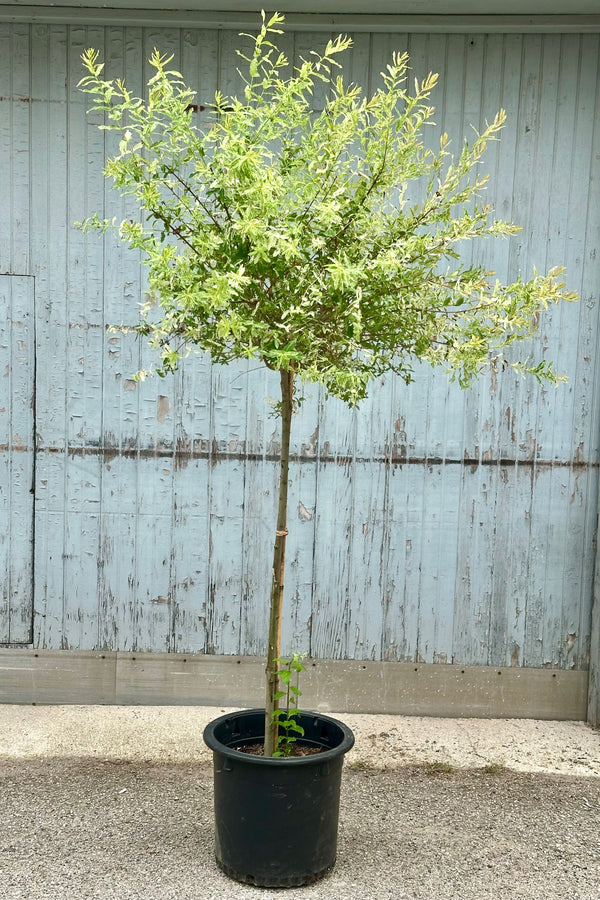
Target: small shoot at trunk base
289, 728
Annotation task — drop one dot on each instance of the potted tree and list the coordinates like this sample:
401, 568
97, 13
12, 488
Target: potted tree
291, 237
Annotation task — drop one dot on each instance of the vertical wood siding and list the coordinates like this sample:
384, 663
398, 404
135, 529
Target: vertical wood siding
16, 458
431, 524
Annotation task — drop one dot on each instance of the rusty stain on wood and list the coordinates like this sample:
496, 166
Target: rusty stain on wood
163, 405
199, 451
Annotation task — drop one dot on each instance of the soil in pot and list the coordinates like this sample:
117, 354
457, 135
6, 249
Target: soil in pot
297, 750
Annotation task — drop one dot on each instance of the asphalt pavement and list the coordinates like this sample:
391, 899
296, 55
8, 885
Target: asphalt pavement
116, 802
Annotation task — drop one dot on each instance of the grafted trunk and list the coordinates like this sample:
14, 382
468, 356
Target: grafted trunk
274, 648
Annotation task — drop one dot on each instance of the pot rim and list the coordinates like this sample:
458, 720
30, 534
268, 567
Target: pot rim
214, 744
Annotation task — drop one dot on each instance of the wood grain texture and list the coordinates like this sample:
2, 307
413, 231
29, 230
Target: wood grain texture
429, 525
62, 677
17, 354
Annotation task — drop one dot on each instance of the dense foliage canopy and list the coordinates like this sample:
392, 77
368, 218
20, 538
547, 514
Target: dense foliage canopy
323, 243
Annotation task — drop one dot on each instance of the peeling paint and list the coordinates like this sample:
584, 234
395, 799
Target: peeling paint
163, 406
309, 449
303, 513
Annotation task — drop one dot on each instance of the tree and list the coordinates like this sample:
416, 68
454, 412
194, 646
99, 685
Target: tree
325, 245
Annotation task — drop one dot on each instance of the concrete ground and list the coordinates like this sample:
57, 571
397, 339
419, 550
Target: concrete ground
116, 802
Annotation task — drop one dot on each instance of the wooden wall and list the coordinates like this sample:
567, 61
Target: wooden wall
431, 525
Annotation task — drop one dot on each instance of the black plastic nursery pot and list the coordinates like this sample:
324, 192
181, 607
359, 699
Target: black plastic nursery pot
276, 820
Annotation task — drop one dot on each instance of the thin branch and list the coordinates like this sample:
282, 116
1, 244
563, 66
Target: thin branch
196, 197
174, 230
361, 202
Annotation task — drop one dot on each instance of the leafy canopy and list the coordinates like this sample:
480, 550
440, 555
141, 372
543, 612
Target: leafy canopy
288, 235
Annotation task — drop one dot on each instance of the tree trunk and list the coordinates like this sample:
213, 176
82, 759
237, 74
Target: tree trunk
274, 649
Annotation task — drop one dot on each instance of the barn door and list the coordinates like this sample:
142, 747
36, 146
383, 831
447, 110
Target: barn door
17, 356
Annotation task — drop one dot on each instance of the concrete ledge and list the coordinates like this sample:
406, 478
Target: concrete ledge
150, 679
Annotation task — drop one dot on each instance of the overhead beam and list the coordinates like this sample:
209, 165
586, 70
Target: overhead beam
401, 24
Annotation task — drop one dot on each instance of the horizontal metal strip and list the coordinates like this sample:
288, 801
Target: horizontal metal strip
16, 274
215, 455
58, 676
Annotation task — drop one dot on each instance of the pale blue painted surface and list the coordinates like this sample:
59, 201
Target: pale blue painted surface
17, 340
431, 524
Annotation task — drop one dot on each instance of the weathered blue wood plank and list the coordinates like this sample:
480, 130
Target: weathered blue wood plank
15, 111
300, 577
17, 351
118, 594
334, 518
6, 138
365, 547
257, 536
224, 601
200, 66
441, 495
190, 555
80, 623
149, 617
48, 622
